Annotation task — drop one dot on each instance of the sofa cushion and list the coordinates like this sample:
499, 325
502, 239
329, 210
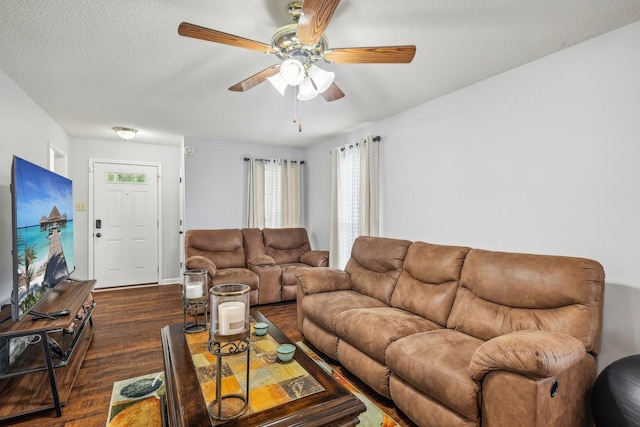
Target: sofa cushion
501, 293
422, 409
437, 363
371, 330
429, 280
236, 275
323, 308
239, 275
375, 265
323, 340
224, 247
286, 245
374, 373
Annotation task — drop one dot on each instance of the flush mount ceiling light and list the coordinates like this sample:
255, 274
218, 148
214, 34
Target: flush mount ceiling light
125, 133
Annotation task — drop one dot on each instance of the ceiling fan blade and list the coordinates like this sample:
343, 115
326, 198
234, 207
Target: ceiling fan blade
333, 93
256, 79
314, 18
371, 55
197, 32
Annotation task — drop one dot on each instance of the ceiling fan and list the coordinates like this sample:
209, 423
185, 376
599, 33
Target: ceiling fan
299, 46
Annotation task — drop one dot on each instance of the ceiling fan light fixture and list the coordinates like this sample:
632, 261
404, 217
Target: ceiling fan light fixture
125, 133
306, 90
292, 71
321, 78
278, 82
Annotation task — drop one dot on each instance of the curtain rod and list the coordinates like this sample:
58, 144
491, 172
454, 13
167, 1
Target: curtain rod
246, 159
374, 139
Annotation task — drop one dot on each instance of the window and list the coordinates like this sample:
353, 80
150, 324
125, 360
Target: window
273, 200
273, 196
354, 210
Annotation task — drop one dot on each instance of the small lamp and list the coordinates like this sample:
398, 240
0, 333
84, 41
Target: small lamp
229, 336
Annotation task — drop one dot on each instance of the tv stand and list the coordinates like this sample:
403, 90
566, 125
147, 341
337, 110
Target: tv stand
24, 388
54, 315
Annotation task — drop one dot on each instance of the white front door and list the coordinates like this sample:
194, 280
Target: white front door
125, 224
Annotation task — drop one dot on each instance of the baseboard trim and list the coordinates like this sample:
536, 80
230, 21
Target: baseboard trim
146, 285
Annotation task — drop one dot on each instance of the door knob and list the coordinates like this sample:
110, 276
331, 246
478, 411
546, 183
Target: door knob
98, 234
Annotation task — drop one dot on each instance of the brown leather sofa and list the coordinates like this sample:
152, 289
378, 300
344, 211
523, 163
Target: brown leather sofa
266, 259
458, 336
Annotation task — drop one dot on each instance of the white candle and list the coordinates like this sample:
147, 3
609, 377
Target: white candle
193, 290
231, 317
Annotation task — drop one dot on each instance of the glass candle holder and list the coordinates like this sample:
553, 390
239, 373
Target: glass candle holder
229, 312
195, 299
229, 335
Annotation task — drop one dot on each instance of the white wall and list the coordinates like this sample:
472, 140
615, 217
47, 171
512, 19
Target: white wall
542, 159
25, 131
215, 180
170, 158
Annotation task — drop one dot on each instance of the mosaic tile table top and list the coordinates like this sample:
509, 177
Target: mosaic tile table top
271, 382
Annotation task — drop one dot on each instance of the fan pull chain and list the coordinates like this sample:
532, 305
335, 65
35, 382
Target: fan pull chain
295, 118
300, 116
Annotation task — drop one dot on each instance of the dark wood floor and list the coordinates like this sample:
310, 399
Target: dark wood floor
127, 344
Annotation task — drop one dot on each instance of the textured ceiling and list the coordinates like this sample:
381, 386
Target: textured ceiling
92, 65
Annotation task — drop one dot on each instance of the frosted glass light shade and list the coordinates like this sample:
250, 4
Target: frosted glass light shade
321, 78
278, 82
125, 133
306, 90
292, 72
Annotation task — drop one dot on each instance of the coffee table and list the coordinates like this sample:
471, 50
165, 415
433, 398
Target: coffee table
334, 406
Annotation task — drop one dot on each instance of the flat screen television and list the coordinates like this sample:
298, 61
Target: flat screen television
42, 220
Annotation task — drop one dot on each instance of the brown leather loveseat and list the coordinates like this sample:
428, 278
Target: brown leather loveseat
458, 336
266, 259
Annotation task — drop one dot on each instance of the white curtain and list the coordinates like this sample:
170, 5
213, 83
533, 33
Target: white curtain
354, 197
255, 194
291, 196
273, 193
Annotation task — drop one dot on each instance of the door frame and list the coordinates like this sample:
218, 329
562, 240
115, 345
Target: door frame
90, 212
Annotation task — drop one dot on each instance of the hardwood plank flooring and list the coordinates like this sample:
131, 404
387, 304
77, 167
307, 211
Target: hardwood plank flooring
127, 343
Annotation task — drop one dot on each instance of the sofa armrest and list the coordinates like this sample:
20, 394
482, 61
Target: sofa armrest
197, 262
538, 354
315, 258
261, 261
322, 279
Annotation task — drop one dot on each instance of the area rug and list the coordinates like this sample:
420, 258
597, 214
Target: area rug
138, 402
373, 416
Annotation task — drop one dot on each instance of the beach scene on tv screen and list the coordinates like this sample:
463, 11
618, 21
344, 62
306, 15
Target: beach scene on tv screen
44, 230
